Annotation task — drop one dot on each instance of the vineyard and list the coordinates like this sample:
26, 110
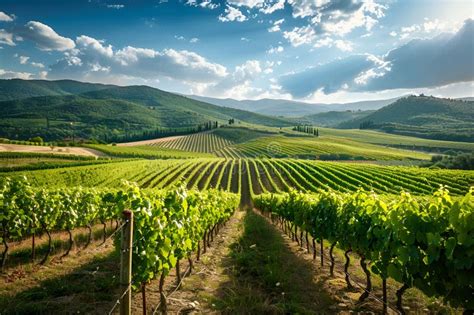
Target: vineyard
424, 243
405, 225
265, 175
169, 225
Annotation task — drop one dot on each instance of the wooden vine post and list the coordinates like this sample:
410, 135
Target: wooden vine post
126, 264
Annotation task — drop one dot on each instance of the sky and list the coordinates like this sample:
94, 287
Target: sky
320, 51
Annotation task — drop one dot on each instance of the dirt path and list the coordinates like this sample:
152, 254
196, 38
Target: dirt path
197, 291
45, 149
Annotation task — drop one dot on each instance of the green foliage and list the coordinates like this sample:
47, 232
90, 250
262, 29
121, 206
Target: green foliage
150, 152
423, 242
332, 118
167, 224
112, 113
462, 161
422, 116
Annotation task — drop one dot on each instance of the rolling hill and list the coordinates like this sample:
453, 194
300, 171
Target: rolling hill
103, 113
422, 116
287, 108
20, 89
332, 118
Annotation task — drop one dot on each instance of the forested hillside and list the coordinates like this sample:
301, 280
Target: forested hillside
111, 112
422, 116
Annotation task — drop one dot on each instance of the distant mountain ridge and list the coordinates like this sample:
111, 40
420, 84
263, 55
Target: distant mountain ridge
287, 108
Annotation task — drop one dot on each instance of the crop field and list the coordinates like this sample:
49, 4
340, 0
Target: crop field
266, 175
200, 142
313, 147
64, 203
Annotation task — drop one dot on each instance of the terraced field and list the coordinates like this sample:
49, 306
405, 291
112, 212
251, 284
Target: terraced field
255, 176
200, 142
314, 147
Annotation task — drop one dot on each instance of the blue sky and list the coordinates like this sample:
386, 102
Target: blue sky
310, 50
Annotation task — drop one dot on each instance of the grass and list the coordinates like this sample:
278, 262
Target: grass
87, 287
375, 137
86, 281
150, 152
314, 147
267, 278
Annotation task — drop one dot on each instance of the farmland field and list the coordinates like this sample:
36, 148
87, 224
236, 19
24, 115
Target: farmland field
277, 196
251, 178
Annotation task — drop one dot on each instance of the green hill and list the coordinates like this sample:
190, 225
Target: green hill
422, 116
332, 118
112, 111
20, 89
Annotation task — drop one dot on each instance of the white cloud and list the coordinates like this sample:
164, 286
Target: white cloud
338, 17
247, 3
420, 63
92, 59
194, 40
6, 38
207, 4
300, 35
43, 75
237, 84
5, 17
275, 50
88, 43
23, 59
269, 8
244, 39
37, 64
6, 74
393, 34
232, 14
342, 45
304, 8
46, 38
276, 26
115, 6
428, 27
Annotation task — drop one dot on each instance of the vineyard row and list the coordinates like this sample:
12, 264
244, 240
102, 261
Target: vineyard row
263, 175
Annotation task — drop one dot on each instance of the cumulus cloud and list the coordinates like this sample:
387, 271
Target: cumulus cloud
237, 84
270, 7
247, 3
23, 59
94, 59
232, 14
6, 74
276, 26
438, 61
37, 64
207, 4
331, 18
5, 17
6, 38
275, 50
45, 37
300, 35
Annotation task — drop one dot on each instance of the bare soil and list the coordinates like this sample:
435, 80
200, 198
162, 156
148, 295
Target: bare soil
44, 149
